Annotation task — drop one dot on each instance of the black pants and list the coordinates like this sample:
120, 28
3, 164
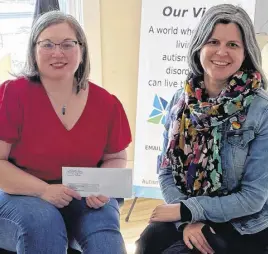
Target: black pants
164, 238
159, 238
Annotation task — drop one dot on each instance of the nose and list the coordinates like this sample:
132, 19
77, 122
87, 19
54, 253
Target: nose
222, 50
57, 51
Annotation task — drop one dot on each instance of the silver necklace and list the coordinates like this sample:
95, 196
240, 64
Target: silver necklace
63, 109
64, 106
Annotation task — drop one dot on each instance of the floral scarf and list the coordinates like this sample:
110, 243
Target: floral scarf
194, 135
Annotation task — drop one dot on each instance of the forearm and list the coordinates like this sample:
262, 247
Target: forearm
226, 208
15, 181
114, 160
114, 163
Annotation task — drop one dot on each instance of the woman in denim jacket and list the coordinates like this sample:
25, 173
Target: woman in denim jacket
214, 165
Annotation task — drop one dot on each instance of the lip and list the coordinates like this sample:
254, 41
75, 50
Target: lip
58, 65
220, 63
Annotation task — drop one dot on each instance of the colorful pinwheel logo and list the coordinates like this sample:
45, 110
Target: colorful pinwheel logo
159, 112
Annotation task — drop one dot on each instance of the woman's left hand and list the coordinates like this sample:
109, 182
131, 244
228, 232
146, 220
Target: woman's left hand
166, 213
97, 201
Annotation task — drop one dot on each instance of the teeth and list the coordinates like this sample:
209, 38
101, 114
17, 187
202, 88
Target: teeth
58, 64
220, 63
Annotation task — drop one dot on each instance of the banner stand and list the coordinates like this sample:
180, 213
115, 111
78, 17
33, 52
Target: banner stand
143, 192
131, 209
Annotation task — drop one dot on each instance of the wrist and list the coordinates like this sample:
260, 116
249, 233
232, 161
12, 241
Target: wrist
186, 215
42, 188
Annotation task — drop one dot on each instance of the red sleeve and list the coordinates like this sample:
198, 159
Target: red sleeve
119, 135
10, 113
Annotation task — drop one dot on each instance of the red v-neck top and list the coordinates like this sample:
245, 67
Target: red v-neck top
41, 145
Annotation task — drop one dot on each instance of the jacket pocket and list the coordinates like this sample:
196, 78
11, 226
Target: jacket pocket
238, 147
240, 138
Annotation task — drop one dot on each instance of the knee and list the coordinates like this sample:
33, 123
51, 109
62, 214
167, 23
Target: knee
41, 217
152, 235
110, 216
108, 241
147, 238
151, 232
33, 222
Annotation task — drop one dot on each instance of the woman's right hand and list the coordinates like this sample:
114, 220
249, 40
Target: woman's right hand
59, 195
192, 235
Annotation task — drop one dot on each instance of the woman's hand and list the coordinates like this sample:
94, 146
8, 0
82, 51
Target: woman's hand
192, 235
166, 213
97, 201
59, 195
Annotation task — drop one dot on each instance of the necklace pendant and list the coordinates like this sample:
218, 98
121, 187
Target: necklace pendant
63, 110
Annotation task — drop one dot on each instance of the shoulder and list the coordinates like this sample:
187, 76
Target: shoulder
172, 107
258, 110
15, 86
260, 102
102, 96
263, 94
176, 96
174, 103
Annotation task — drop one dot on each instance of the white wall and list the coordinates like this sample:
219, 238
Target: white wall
261, 16
92, 26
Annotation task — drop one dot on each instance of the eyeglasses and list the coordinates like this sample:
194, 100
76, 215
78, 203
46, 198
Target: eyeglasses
65, 45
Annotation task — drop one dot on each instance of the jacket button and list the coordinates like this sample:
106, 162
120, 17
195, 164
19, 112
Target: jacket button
242, 228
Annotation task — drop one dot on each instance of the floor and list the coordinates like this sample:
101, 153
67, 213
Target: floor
138, 220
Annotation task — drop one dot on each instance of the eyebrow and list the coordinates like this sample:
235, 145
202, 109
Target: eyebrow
72, 39
66, 39
238, 42
235, 41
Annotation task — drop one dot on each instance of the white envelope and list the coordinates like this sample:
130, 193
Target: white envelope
111, 182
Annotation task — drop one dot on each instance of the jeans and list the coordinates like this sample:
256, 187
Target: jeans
31, 225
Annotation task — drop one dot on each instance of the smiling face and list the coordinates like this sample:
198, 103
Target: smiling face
57, 63
223, 54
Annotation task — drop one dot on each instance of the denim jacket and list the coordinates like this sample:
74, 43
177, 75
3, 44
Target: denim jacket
243, 197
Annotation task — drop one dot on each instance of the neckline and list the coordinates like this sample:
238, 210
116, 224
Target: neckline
54, 113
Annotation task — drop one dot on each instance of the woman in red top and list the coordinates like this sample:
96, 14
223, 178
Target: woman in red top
50, 118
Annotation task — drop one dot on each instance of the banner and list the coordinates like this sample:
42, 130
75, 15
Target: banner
166, 28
